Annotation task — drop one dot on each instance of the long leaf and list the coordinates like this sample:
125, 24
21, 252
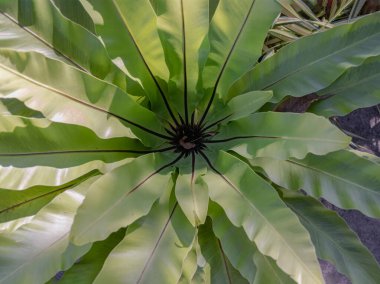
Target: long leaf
235, 243
65, 94
333, 239
243, 253
87, 268
192, 194
42, 20
220, 269
76, 12
268, 271
18, 204
121, 197
295, 71
31, 142
334, 177
13, 225
235, 47
182, 26
14, 178
32, 253
356, 88
129, 31
281, 135
251, 203
153, 249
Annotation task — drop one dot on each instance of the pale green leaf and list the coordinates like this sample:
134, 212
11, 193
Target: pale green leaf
13, 225
358, 87
235, 243
240, 106
120, 197
42, 20
192, 194
30, 142
153, 249
343, 178
236, 36
17, 204
128, 29
25, 177
296, 71
182, 26
268, 271
220, 269
74, 10
281, 135
85, 270
250, 202
32, 253
65, 94
333, 239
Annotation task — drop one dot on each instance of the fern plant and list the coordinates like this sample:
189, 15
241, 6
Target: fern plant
139, 144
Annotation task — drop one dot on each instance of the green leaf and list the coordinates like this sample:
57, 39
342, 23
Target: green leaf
87, 268
192, 194
74, 10
189, 265
17, 204
29, 142
268, 271
13, 178
14, 37
343, 178
153, 249
241, 106
243, 253
282, 135
120, 197
358, 87
295, 71
221, 270
10, 106
129, 32
235, 243
32, 253
251, 203
80, 48
182, 27
13, 225
233, 48
333, 239
65, 94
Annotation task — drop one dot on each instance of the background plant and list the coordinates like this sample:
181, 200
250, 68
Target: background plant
139, 138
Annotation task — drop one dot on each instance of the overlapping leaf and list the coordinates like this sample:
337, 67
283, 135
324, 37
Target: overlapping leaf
282, 135
356, 88
253, 204
32, 253
121, 197
342, 177
153, 249
333, 239
78, 47
296, 71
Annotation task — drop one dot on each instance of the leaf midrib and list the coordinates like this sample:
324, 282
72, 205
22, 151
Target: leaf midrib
229, 182
157, 243
338, 90
332, 175
316, 61
47, 44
